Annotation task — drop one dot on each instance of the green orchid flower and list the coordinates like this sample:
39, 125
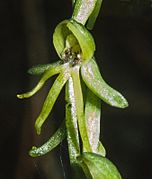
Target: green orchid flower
85, 89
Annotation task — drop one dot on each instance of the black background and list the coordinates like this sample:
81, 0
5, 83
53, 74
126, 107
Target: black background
123, 35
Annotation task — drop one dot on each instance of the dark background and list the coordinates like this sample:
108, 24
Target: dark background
123, 35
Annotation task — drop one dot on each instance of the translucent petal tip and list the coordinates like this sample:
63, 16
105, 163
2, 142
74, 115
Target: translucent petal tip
38, 129
20, 96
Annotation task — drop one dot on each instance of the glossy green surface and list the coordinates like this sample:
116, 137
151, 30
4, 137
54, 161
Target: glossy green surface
84, 38
100, 167
59, 37
92, 118
50, 99
80, 108
48, 74
94, 81
82, 10
71, 123
41, 68
53, 142
94, 15
82, 35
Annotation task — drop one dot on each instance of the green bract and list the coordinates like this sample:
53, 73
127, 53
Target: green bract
99, 167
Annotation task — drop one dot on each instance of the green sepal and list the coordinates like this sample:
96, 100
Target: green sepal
41, 68
80, 33
92, 118
51, 98
94, 81
99, 167
59, 37
53, 142
94, 15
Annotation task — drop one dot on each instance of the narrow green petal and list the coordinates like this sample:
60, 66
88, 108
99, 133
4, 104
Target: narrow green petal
71, 123
92, 117
53, 142
41, 68
100, 167
49, 73
80, 108
51, 98
93, 79
94, 15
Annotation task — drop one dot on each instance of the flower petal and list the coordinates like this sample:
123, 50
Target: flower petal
41, 68
51, 98
92, 118
54, 141
93, 79
49, 73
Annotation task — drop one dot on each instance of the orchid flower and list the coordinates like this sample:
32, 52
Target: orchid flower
85, 89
